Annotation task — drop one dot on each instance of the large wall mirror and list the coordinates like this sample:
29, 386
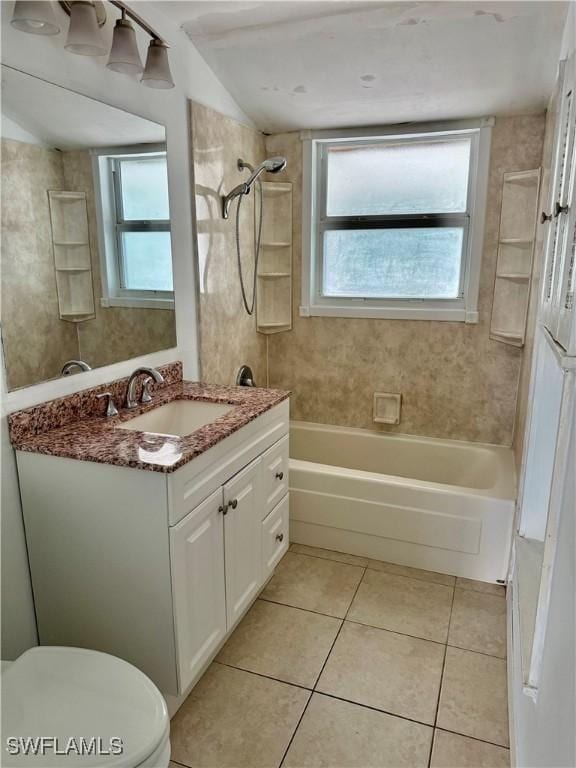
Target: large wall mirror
86, 256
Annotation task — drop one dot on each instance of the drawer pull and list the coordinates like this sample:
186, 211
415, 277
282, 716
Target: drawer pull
233, 503
279, 475
279, 537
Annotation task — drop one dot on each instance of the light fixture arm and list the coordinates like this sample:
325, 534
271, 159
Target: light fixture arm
126, 11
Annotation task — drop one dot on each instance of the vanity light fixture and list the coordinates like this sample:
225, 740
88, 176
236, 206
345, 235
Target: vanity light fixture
87, 17
34, 16
124, 54
84, 36
157, 73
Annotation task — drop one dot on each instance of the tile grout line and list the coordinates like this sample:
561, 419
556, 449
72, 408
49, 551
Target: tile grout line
355, 703
298, 608
308, 610
321, 670
395, 632
441, 678
390, 573
472, 738
371, 626
266, 677
455, 585
480, 653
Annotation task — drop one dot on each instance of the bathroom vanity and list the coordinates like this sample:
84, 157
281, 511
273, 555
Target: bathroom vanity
152, 546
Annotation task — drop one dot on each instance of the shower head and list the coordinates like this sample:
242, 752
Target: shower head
270, 165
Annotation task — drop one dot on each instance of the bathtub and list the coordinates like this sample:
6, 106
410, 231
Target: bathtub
440, 505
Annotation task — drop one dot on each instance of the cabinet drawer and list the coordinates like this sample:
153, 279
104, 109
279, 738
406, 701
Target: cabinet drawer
274, 474
275, 539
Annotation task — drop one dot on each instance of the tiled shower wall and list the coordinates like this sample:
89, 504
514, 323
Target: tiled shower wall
455, 381
228, 335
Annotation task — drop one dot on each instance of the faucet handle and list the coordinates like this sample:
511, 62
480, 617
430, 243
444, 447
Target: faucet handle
146, 394
111, 409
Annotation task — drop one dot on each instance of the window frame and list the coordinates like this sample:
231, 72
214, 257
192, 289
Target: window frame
111, 225
316, 222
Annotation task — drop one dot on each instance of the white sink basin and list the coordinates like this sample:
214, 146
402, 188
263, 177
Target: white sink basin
178, 418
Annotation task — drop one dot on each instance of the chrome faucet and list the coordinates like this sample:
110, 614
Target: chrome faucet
69, 364
131, 401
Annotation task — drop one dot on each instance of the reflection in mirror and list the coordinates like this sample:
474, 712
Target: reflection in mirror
86, 256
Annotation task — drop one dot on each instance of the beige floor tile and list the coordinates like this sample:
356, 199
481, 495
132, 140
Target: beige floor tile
234, 719
282, 642
478, 622
337, 734
314, 584
413, 573
409, 606
481, 586
398, 674
453, 751
473, 698
329, 554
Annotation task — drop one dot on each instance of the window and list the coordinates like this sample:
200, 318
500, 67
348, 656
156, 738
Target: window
135, 228
393, 223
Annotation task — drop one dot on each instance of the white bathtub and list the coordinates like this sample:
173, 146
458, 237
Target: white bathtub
441, 505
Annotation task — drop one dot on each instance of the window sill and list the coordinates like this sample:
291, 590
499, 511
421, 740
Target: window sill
137, 302
454, 315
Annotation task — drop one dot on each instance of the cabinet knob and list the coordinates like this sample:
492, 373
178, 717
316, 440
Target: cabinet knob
279, 475
558, 209
223, 509
544, 217
233, 503
279, 537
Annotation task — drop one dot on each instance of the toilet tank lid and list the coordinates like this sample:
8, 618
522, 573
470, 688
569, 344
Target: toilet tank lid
70, 694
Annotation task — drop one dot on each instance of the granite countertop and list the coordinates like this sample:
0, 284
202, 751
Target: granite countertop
97, 439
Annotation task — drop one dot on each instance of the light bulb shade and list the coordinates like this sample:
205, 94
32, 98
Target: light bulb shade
157, 71
84, 35
124, 55
35, 16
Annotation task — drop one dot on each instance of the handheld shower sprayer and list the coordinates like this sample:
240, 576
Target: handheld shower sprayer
270, 165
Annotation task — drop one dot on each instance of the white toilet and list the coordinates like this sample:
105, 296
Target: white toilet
70, 694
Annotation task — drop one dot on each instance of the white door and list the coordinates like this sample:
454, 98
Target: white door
243, 540
197, 554
564, 308
557, 274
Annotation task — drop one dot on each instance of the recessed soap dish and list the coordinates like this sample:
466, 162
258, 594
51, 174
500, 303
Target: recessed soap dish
387, 407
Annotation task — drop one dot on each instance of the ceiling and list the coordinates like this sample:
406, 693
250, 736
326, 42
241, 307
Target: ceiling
299, 64
63, 119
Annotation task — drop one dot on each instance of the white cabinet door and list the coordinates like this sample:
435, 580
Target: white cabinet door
243, 505
197, 554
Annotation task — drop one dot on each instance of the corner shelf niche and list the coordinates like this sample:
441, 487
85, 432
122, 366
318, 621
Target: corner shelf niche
274, 283
515, 255
72, 260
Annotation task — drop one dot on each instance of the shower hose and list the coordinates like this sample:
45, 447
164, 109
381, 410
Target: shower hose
249, 307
